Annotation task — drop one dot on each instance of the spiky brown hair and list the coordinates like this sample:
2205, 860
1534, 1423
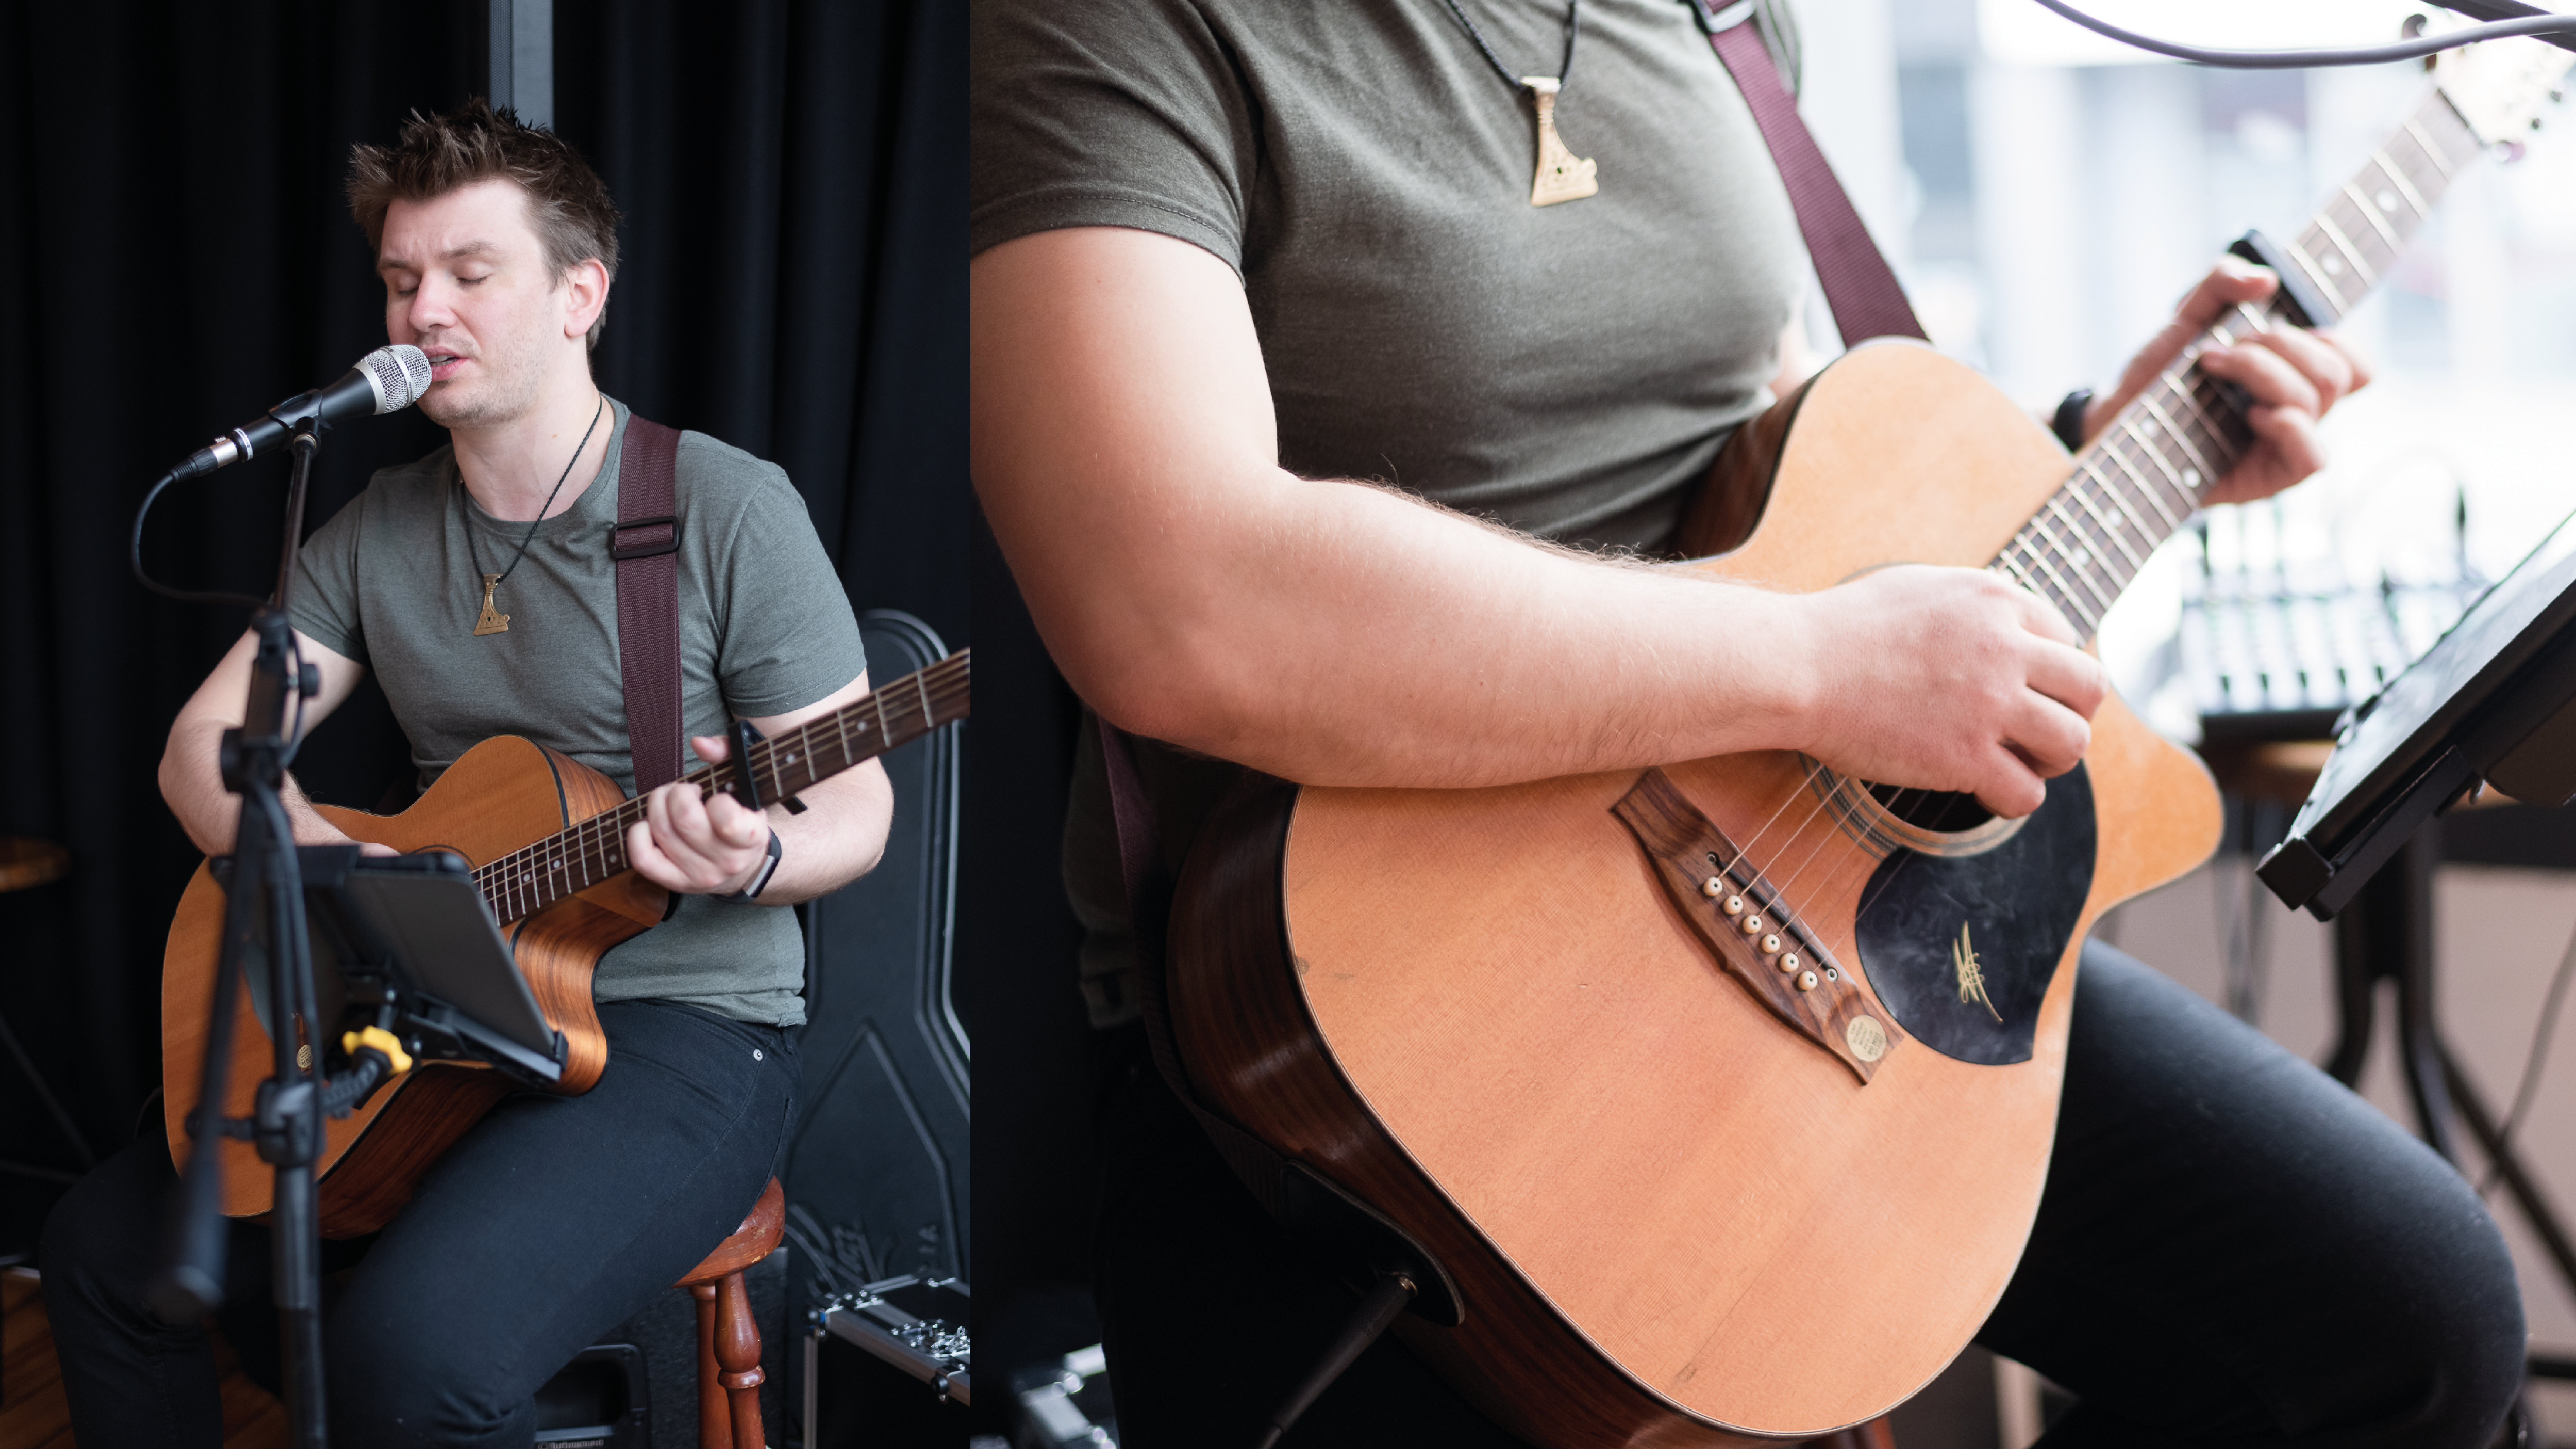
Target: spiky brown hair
568, 205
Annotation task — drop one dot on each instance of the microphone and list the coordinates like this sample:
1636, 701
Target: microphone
386, 380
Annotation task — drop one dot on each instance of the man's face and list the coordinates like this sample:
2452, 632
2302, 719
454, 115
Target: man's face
466, 282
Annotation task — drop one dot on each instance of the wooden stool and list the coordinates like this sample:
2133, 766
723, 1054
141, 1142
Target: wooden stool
729, 1375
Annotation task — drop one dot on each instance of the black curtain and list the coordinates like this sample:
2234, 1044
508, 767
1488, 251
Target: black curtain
175, 256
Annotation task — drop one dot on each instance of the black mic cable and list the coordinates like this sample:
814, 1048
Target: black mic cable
386, 380
2557, 29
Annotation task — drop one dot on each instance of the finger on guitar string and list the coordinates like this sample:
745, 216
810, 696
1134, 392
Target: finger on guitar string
2230, 282
2292, 378
1930, 674
694, 845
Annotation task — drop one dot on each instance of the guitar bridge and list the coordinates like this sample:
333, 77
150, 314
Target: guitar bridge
1745, 926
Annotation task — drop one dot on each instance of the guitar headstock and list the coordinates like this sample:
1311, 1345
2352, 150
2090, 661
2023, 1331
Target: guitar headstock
2503, 88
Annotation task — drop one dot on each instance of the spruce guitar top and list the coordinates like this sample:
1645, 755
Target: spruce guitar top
1720, 1095
546, 837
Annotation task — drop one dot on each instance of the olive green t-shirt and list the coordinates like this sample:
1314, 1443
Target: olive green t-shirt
1569, 370
391, 581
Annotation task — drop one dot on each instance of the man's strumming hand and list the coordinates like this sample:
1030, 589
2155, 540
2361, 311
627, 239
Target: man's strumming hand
1947, 679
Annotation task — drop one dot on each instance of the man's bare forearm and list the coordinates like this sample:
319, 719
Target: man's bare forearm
191, 772
192, 784
1337, 634
1126, 454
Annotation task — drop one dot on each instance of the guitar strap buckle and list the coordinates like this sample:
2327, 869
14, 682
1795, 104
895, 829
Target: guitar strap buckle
644, 537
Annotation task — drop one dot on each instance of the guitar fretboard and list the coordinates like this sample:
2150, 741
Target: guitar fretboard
534, 877
2150, 469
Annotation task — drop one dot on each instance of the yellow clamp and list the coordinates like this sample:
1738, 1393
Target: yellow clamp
383, 1041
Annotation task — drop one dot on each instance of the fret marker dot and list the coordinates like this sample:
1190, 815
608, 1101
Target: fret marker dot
2081, 557
2191, 477
2333, 266
2387, 200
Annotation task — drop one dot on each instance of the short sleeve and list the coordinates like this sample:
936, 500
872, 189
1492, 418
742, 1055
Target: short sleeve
786, 634
1110, 113
325, 605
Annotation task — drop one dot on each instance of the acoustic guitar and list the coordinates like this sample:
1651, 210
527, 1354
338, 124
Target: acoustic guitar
546, 836
1721, 1094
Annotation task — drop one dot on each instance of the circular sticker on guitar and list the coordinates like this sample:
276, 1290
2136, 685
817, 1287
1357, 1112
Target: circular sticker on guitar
1866, 1038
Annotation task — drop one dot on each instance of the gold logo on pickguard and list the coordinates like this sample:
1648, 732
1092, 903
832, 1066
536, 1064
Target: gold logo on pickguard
1972, 977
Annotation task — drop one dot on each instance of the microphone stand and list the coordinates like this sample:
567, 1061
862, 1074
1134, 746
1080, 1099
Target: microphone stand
264, 906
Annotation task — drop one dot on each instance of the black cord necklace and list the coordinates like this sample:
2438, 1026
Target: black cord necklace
1562, 175
493, 622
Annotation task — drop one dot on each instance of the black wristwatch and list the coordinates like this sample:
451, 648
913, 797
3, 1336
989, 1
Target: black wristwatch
760, 882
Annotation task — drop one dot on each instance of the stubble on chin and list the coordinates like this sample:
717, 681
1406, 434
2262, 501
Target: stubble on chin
490, 406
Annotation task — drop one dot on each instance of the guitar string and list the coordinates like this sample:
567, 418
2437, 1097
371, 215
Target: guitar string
1897, 803
2039, 546
517, 880
520, 886
512, 881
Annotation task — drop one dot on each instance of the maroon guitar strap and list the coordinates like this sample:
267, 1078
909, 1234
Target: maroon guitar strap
646, 544
1860, 287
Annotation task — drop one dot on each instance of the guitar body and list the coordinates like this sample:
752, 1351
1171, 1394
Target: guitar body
1671, 1215
503, 794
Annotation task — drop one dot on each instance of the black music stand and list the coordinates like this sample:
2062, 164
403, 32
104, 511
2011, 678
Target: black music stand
2493, 703
405, 943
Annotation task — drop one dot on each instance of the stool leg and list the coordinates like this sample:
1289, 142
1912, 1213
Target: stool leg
715, 1426
738, 1350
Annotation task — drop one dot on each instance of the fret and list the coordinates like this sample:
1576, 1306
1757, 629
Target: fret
2368, 274
2073, 566
2323, 279
2370, 213
2066, 599
2129, 499
2190, 399
2181, 437
2432, 152
2051, 589
528, 880
2398, 184
2090, 543
2184, 491
2110, 525
2019, 574
2256, 320
2139, 487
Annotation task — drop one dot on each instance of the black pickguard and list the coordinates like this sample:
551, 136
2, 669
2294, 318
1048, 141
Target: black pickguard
2018, 903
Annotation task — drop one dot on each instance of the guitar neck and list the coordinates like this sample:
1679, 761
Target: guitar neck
534, 877
2150, 469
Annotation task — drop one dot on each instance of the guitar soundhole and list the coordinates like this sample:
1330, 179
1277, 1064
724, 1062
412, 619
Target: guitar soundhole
1946, 811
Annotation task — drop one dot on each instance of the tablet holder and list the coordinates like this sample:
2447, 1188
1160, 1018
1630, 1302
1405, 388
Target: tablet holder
2491, 704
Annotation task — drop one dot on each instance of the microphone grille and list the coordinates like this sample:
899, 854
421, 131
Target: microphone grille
398, 373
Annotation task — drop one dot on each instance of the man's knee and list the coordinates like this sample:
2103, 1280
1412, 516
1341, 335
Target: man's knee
98, 1245
393, 1385
2447, 1311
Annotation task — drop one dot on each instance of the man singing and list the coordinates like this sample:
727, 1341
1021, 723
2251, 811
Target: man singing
557, 1216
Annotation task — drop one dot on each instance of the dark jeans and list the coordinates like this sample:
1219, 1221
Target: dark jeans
2232, 1250
554, 1219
